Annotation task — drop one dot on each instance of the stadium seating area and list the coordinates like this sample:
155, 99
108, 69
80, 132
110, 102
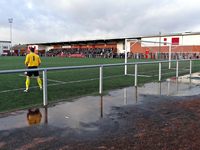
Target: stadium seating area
108, 53
82, 52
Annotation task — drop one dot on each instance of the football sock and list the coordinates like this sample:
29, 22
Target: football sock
27, 82
39, 82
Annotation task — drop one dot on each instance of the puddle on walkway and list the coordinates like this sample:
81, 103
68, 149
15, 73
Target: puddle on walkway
92, 108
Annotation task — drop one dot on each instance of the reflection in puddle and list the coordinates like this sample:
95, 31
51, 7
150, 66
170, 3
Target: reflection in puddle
46, 115
34, 116
85, 111
101, 106
136, 94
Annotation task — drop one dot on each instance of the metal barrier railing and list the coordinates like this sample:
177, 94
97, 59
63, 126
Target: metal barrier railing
45, 70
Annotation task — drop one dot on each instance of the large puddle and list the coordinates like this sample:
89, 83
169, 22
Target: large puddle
90, 109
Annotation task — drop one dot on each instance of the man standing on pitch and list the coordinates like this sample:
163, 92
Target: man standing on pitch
32, 61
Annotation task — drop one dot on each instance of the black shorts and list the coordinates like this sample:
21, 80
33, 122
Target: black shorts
30, 73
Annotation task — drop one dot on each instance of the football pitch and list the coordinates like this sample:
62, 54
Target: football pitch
66, 85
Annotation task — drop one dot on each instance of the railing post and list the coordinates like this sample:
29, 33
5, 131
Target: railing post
125, 67
190, 68
45, 100
136, 74
159, 72
101, 80
190, 72
170, 55
177, 68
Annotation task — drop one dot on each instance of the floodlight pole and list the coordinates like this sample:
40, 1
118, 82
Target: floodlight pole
125, 68
10, 20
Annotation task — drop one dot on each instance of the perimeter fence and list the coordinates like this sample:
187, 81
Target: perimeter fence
61, 82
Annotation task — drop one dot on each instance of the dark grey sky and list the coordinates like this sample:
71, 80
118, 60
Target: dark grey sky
63, 20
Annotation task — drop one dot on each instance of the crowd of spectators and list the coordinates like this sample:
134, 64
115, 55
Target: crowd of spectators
86, 52
111, 53
164, 56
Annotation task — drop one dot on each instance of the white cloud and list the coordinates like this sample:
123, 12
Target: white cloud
29, 5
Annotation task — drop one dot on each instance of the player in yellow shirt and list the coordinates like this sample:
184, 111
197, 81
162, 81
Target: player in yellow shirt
32, 61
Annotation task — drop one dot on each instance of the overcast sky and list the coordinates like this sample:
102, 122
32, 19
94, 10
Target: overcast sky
65, 20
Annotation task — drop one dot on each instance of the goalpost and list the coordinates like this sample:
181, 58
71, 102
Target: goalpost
128, 43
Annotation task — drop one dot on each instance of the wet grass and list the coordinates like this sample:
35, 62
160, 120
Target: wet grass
68, 84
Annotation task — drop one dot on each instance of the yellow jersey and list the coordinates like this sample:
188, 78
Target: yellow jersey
32, 60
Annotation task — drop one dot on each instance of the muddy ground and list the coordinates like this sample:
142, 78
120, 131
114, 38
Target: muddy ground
159, 123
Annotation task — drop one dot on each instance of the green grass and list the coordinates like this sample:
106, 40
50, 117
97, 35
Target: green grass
68, 84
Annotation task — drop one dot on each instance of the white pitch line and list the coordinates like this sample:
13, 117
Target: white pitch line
53, 84
58, 83
19, 89
140, 75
